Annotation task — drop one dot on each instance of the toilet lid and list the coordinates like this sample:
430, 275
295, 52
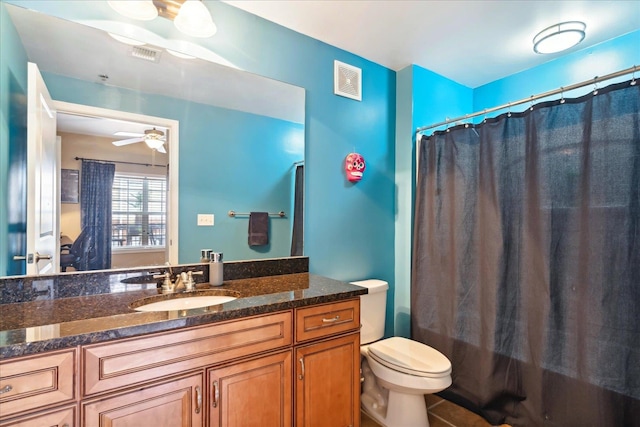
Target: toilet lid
411, 357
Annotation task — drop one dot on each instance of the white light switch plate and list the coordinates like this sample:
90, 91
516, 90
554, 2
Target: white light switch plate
205, 219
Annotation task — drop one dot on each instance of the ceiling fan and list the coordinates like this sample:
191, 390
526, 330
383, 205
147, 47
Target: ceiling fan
154, 139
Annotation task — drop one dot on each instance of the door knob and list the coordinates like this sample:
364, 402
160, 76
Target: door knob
42, 256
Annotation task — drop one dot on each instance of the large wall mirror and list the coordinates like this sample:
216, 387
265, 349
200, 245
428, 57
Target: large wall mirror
189, 130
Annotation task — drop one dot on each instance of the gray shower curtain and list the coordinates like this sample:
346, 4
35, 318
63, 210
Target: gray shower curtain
526, 262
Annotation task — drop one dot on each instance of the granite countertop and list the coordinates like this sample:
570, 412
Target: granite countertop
42, 325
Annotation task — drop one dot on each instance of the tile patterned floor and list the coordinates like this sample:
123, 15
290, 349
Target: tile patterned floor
443, 413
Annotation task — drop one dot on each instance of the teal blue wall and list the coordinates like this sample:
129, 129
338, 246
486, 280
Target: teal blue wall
423, 97
363, 230
13, 111
398, 298
437, 98
209, 181
349, 228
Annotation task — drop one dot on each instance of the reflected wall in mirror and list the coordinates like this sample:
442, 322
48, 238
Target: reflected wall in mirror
241, 136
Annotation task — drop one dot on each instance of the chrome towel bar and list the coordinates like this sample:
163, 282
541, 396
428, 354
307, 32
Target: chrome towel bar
232, 214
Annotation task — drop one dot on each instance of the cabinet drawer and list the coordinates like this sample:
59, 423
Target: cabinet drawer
65, 417
327, 319
127, 362
36, 382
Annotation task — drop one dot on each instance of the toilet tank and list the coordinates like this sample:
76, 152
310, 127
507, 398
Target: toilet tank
373, 309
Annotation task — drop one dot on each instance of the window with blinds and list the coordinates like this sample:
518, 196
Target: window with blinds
139, 211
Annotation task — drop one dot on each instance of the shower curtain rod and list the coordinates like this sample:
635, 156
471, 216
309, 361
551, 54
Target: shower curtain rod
118, 161
534, 97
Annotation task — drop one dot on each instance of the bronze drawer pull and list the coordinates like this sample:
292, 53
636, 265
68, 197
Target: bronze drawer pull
198, 399
216, 394
301, 376
332, 320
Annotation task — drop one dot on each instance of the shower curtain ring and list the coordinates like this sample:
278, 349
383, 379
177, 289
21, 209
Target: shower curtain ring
562, 95
595, 85
446, 120
531, 103
508, 109
466, 124
484, 117
633, 76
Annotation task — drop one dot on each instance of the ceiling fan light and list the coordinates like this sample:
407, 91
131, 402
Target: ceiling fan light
142, 10
153, 143
194, 19
559, 37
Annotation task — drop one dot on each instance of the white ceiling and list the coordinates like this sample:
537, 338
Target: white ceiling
470, 42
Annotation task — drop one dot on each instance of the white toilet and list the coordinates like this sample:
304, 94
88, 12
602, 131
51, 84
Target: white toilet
397, 371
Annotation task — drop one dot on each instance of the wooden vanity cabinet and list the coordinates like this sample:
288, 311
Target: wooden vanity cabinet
327, 360
297, 367
237, 354
123, 363
256, 392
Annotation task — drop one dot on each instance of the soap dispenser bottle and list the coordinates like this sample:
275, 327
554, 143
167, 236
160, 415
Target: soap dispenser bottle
215, 269
205, 255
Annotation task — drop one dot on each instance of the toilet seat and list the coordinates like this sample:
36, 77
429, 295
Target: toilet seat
410, 357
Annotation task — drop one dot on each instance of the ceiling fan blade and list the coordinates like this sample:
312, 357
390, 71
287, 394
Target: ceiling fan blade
127, 141
161, 149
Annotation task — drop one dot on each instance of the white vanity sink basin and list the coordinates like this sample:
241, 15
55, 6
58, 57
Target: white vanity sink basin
184, 301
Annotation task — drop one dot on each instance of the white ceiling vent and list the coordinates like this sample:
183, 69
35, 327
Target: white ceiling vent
347, 80
145, 53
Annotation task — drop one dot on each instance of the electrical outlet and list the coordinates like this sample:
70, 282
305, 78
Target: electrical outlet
205, 219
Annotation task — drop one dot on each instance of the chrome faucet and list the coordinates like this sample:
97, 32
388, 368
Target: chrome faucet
167, 285
184, 281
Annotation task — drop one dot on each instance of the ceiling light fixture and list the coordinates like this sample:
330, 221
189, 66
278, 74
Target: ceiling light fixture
195, 20
559, 37
153, 143
191, 17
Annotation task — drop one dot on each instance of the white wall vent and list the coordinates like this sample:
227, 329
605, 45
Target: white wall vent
146, 53
347, 80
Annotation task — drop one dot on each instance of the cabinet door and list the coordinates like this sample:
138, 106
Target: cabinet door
328, 383
254, 393
59, 418
174, 403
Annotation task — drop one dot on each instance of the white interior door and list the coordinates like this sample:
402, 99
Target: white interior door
42, 178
